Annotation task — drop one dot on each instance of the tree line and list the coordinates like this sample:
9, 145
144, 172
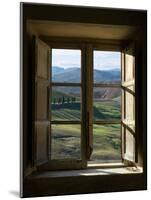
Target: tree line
62, 100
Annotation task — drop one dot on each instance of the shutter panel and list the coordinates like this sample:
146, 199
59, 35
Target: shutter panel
42, 123
128, 105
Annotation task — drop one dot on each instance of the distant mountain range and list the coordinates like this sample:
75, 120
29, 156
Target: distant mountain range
60, 74
72, 75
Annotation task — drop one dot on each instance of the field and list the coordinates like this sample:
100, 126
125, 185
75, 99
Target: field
66, 138
106, 143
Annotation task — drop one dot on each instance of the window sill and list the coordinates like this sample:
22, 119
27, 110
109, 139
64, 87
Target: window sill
84, 181
86, 172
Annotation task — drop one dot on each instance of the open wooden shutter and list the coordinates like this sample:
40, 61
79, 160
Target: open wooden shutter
42, 123
128, 105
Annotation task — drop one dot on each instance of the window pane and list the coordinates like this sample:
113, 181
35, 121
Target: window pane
106, 67
106, 143
66, 103
106, 103
129, 65
66, 65
130, 145
66, 141
130, 106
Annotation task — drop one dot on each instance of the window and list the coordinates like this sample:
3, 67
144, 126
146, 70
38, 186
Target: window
82, 131
66, 108
87, 105
106, 107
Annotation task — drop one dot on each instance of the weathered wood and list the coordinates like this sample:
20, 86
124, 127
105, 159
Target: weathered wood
101, 122
66, 84
107, 85
89, 103
65, 122
128, 104
42, 125
42, 122
41, 144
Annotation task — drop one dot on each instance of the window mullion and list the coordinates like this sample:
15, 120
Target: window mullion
108, 85
66, 84
107, 122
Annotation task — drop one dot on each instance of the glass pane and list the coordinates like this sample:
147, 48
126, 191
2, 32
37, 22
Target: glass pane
106, 103
130, 106
129, 65
106, 143
66, 65
130, 145
66, 103
66, 141
106, 67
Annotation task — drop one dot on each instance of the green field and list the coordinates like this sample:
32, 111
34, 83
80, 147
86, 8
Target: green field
109, 110
66, 138
106, 143
65, 141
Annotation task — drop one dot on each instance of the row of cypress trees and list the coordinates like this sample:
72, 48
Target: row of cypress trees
63, 100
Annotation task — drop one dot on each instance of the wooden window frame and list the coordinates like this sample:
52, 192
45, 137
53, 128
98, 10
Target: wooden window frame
113, 48
71, 163
87, 48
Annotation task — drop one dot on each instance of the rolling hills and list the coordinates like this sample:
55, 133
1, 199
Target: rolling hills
72, 75
60, 74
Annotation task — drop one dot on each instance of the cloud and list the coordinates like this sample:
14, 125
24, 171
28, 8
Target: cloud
106, 60
66, 58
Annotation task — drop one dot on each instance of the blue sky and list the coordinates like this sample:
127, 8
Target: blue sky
103, 60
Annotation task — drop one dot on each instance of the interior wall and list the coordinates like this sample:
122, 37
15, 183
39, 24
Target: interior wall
81, 30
